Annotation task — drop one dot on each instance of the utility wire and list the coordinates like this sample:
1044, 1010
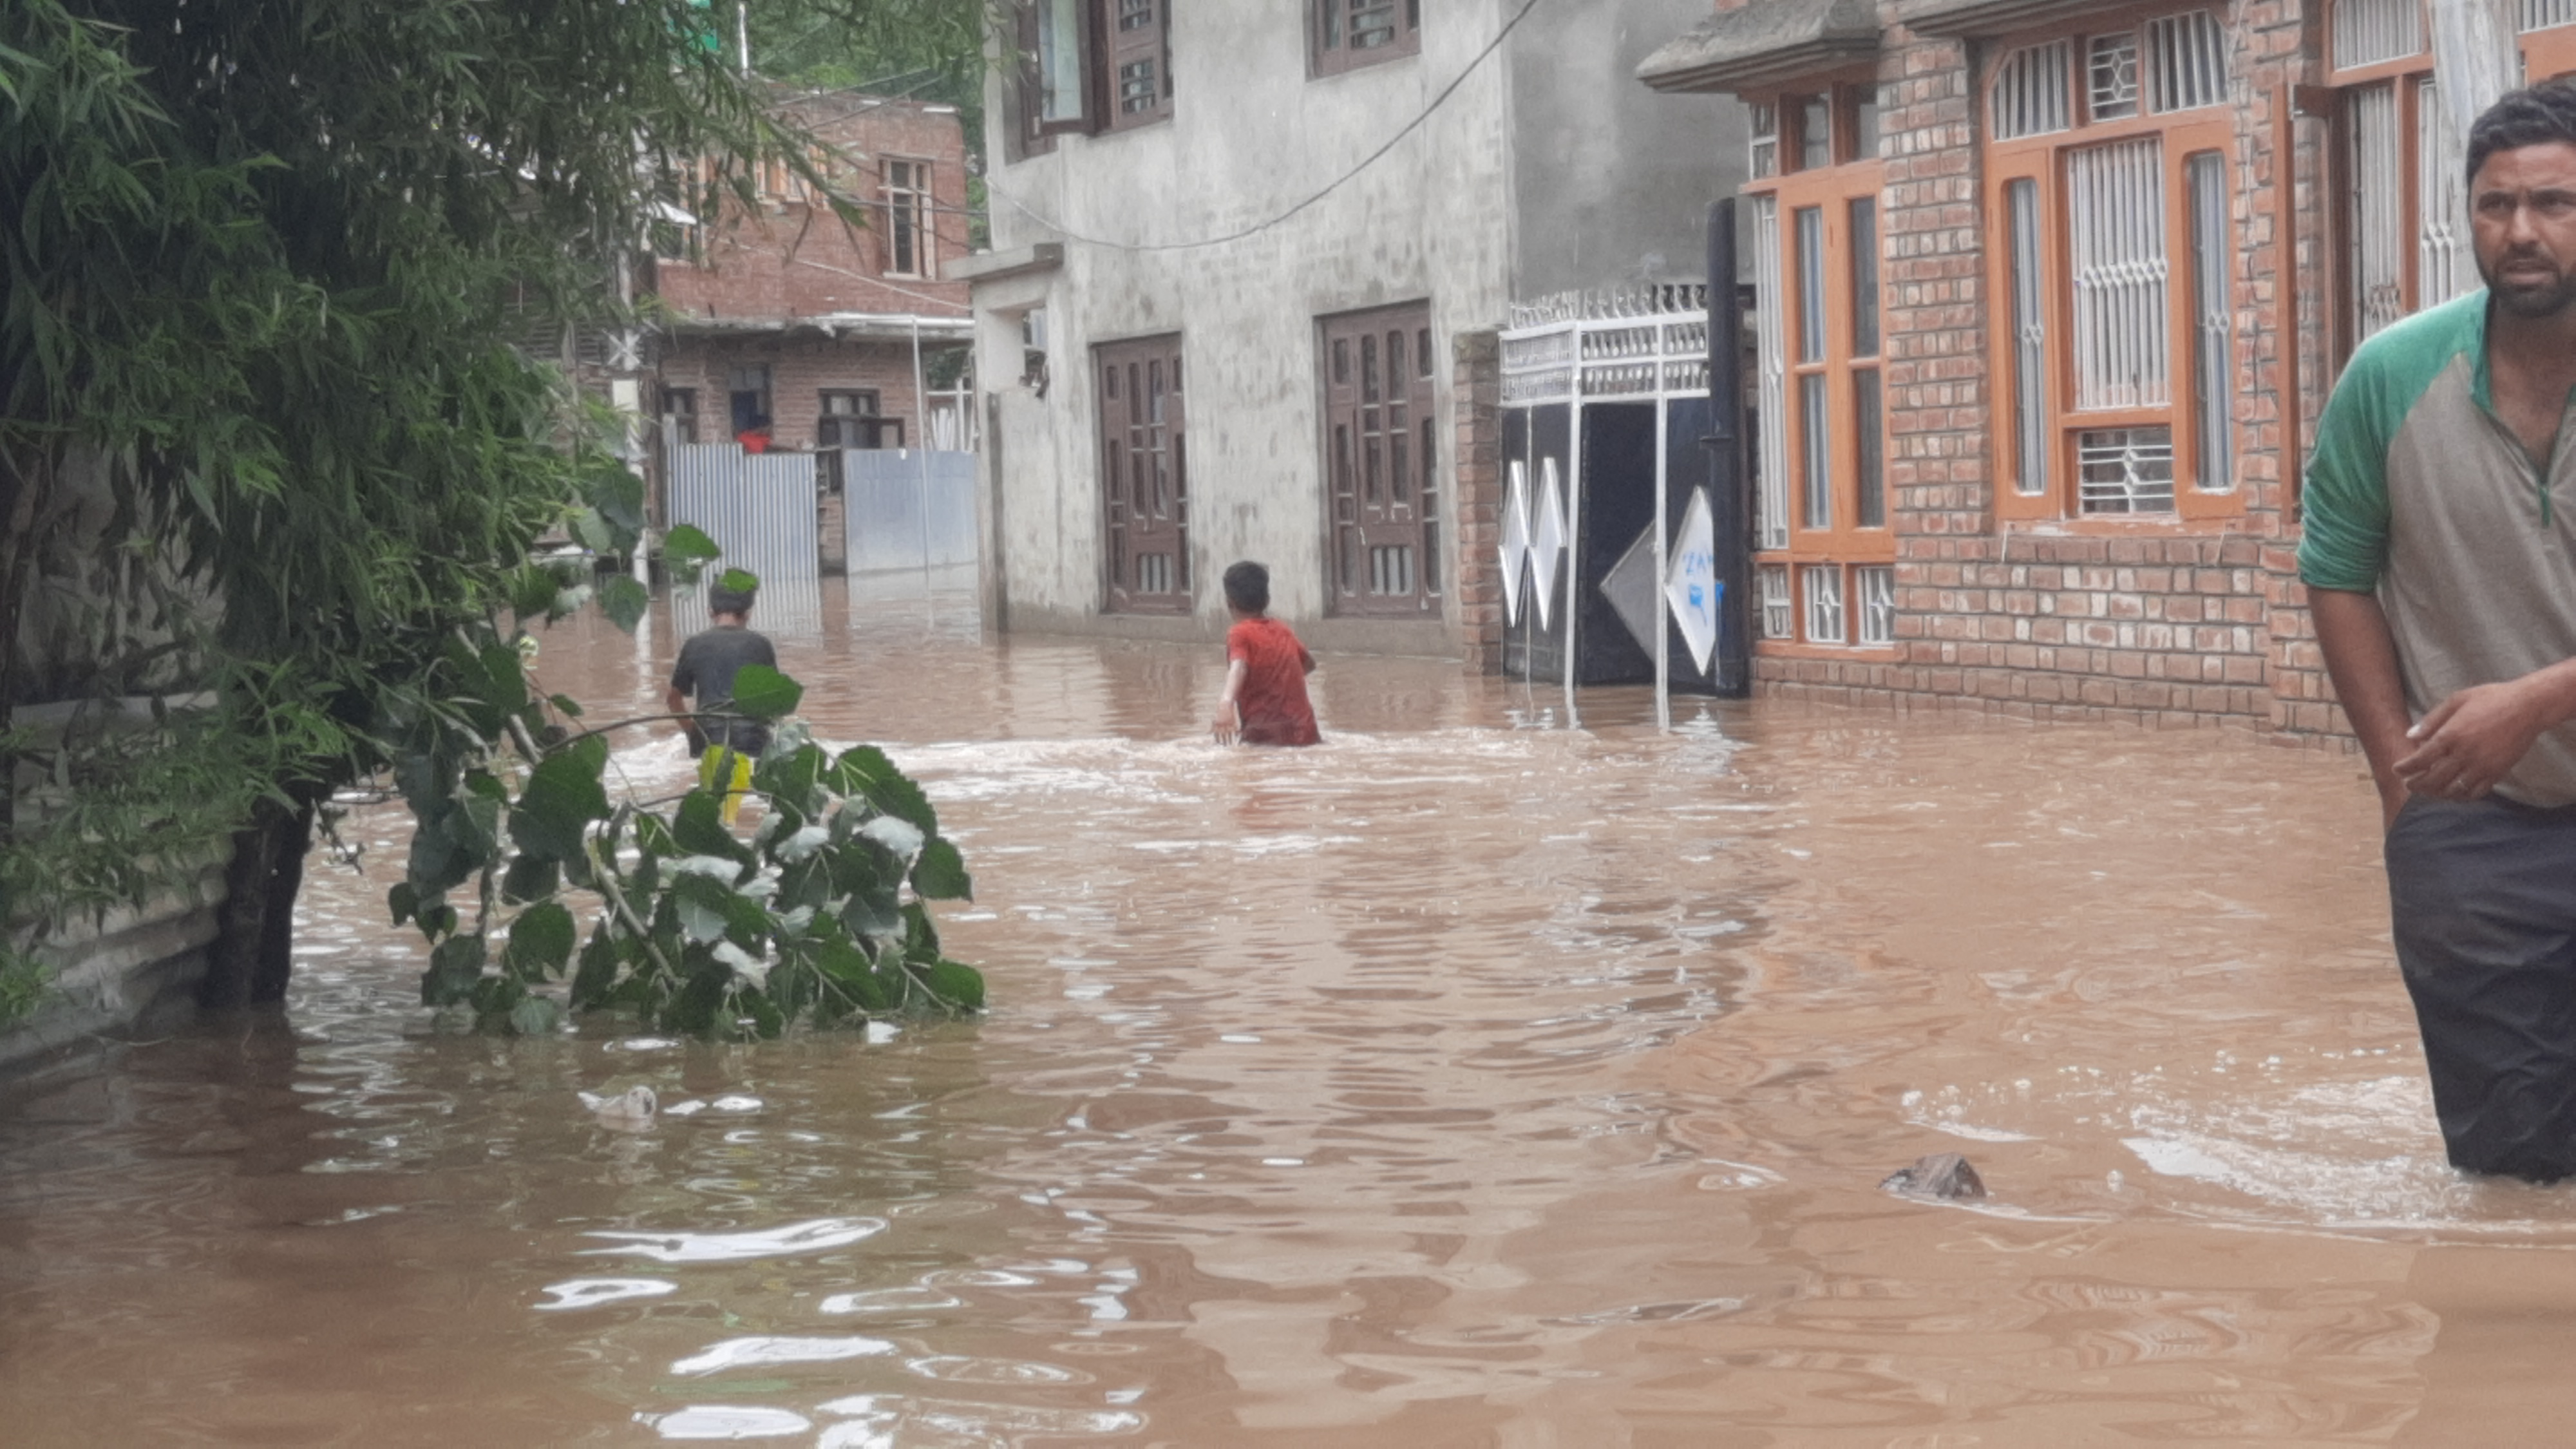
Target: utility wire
1069, 234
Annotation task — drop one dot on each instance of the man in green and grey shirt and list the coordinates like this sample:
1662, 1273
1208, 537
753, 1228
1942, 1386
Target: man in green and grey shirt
2440, 558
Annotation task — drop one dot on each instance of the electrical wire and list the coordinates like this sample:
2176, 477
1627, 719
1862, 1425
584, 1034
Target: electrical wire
993, 188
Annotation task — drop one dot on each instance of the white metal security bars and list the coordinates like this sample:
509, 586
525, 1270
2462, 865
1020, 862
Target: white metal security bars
1762, 140
2030, 340
2378, 210
1778, 621
2111, 71
1816, 428
2125, 470
2367, 32
2444, 265
2030, 94
1771, 360
2115, 220
2186, 62
1824, 602
2542, 14
2213, 322
1877, 604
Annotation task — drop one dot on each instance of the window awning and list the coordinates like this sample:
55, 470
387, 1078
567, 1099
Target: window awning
1767, 42
1988, 17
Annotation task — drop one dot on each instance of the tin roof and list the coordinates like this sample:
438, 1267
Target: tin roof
1766, 42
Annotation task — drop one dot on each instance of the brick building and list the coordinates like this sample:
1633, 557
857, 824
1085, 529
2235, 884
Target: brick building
786, 317
2050, 295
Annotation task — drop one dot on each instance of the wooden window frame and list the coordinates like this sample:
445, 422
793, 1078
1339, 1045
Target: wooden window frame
1102, 47
1325, 19
680, 405
1148, 43
1366, 521
919, 200
2042, 160
1831, 192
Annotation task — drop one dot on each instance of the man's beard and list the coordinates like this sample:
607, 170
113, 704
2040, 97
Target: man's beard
2531, 304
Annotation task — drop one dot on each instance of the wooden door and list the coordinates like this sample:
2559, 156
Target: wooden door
1381, 460
1144, 475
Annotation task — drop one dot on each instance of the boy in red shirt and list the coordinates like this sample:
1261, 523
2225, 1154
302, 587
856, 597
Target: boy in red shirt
1266, 669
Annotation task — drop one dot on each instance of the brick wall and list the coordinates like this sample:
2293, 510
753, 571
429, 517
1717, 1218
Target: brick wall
2194, 623
794, 259
800, 370
1476, 382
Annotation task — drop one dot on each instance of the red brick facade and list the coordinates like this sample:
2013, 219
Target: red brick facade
2168, 619
793, 287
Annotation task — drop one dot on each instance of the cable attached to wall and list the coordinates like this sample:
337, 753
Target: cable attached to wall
994, 188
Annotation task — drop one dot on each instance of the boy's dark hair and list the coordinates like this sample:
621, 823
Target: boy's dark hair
1247, 588
2532, 116
721, 600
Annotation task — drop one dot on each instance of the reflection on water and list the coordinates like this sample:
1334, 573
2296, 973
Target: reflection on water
1463, 1080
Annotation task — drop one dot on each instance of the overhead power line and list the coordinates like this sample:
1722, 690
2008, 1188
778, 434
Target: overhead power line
1336, 184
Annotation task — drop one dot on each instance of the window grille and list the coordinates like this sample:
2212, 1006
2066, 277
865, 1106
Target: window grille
1824, 603
1867, 448
680, 405
1391, 570
1817, 432
1815, 132
2444, 264
1777, 622
2029, 94
2111, 76
2367, 32
2214, 322
2378, 211
1811, 283
2030, 339
1877, 604
1140, 63
1771, 359
2125, 470
1352, 33
2115, 214
1762, 146
2186, 62
2542, 14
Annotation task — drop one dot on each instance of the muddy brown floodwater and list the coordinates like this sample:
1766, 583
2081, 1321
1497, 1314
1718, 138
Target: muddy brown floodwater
1468, 1080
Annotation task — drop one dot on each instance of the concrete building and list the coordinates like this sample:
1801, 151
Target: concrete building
2051, 295
785, 319
1240, 251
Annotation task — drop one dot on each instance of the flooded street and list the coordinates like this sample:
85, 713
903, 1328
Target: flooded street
1467, 1080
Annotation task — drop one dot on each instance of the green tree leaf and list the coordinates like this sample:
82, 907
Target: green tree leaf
531, 878
740, 581
687, 545
624, 601
454, 967
763, 693
864, 771
960, 987
563, 796
541, 941
940, 874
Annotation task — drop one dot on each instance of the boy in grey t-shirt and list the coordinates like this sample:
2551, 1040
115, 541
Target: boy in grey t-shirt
707, 664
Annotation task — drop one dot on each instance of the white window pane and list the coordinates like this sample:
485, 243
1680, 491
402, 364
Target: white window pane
2369, 31
1817, 499
1824, 603
1772, 361
2378, 210
2125, 470
2444, 265
2213, 356
2186, 62
1877, 605
2111, 76
2030, 339
1059, 60
2115, 219
1777, 620
2029, 96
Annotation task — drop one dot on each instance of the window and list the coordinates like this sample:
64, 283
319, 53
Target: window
680, 405
2109, 183
1381, 464
907, 224
1824, 602
1821, 504
1877, 604
1777, 622
1144, 475
2549, 44
749, 397
1349, 34
849, 420
1092, 65
1762, 146
2403, 209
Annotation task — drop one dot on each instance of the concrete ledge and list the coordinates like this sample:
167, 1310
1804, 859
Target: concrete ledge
1017, 262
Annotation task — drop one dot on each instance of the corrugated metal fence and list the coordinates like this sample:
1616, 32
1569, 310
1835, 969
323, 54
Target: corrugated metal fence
907, 509
758, 507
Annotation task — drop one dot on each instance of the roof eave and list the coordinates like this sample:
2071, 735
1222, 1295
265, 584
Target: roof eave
1739, 74
1954, 19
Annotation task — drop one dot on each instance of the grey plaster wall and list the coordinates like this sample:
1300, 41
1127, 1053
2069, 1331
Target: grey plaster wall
1612, 181
1446, 216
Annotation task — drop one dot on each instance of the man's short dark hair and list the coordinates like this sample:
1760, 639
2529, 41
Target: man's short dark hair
721, 600
1247, 587
2532, 116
